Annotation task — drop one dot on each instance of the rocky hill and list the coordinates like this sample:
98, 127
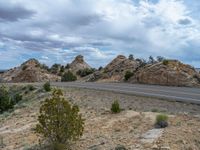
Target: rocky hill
30, 71
78, 64
165, 72
115, 70
168, 72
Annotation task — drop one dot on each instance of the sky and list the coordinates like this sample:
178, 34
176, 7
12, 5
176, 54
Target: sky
57, 31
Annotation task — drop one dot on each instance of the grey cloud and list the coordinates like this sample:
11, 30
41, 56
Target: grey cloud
9, 12
185, 21
82, 20
104, 25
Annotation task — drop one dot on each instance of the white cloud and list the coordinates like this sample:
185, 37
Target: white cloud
102, 29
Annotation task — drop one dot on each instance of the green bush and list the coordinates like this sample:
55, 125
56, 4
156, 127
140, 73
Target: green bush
197, 77
128, 75
115, 108
85, 72
62, 69
165, 62
161, 121
155, 110
59, 122
160, 58
17, 98
24, 67
47, 86
131, 57
67, 66
120, 147
55, 68
6, 102
8, 99
31, 88
45, 67
100, 68
68, 76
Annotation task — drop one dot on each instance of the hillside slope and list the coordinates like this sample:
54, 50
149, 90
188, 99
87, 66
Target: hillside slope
115, 70
29, 71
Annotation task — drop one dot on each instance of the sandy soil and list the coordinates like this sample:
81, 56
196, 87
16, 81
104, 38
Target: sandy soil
104, 130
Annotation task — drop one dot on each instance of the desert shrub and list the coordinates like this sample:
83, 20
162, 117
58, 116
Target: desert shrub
59, 122
105, 70
31, 88
142, 62
45, 67
8, 99
197, 77
67, 66
24, 67
62, 69
17, 98
155, 110
160, 58
68, 76
151, 60
131, 57
85, 72
161, 121
128, 75
47, 86
115, 108
55, 68
6, 102
165, 62
120, 147
100, 68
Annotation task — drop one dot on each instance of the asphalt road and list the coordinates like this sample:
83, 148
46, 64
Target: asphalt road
183, 94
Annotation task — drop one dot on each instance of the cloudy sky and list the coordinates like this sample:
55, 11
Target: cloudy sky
56, 31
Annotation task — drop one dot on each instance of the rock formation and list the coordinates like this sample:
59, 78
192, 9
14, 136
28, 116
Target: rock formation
170, 72
30, 71
115, 70
78, 63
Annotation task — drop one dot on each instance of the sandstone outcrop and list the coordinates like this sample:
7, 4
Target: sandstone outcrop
78, 64
115, 70
170, 72
30, 71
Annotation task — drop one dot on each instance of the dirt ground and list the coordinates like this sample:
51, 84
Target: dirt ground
104, 130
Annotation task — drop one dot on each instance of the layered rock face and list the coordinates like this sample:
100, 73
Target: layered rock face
173, 73
29, 71
78, 64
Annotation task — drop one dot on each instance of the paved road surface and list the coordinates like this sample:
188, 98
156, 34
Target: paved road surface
184, 94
